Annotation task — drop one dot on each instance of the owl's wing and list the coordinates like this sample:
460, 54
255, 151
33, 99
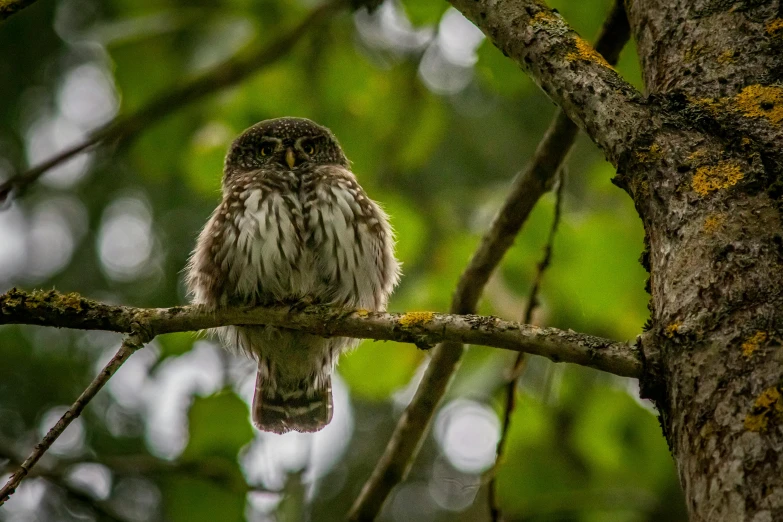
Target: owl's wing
354, 241
206, 277
250, 250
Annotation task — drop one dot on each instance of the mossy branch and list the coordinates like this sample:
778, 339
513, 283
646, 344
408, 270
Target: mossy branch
424, 329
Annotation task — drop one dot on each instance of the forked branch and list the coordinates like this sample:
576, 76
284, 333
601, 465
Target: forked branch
527, 188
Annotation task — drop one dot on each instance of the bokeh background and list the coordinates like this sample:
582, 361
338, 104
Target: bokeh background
436, 122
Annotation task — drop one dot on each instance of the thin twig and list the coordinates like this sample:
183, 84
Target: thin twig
527, 188
224, 75
521, 359
131, 343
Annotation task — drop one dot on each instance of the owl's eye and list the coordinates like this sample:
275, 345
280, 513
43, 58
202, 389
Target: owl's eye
266, 150
308, 148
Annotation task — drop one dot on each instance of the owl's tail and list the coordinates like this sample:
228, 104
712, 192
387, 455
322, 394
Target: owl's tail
283, 410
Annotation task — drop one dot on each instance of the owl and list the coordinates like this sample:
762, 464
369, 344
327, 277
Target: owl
294, 226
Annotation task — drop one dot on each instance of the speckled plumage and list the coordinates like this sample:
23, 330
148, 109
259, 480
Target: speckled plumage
293, 225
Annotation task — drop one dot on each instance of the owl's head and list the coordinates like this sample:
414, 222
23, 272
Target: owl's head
284, 143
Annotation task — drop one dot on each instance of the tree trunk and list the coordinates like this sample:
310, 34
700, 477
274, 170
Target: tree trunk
711, 209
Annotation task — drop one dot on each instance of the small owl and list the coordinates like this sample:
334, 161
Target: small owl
293, 226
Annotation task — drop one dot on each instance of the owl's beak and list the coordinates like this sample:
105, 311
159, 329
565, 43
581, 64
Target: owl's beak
290, 158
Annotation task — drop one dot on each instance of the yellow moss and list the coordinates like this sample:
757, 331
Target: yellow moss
644, 187
694, 52
72, 300
361, 312
767, 407
715, 177
697, 155
671, 330
585, 51
545, 17
753, 344
775, 25
416, 319
549, 21
711, 104
754, 101
726, 56
651, 154
713, 223
542, 16
756, 422
761, 101
769, 398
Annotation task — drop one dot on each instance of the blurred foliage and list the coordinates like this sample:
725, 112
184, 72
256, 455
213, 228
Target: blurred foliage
436, 127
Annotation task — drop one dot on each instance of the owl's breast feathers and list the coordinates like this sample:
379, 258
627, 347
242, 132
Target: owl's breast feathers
281, 235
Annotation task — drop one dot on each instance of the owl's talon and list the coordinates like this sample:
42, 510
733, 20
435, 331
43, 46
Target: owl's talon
300, 304
423, 345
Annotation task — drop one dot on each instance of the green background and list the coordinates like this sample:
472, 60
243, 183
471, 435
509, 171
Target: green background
436, 122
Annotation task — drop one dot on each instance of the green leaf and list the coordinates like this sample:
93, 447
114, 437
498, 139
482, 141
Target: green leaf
409, 225
376, 369
619, 439
426, 133
218, 426
424, 12
500, 74
174, 344
188, 499
203, 161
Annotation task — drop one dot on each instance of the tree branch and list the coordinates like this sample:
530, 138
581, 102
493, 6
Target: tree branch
421, 328
576, 77
129, 345
224, 75
536, 180
527, 188
11, 7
